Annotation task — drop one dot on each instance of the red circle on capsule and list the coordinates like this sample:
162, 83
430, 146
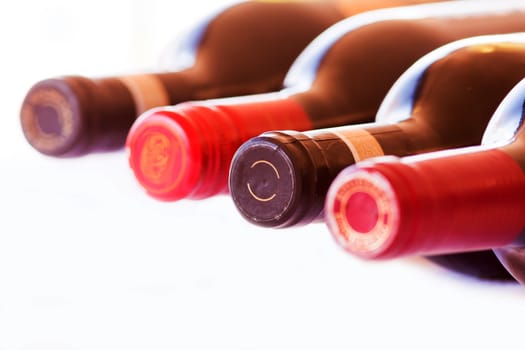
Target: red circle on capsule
361, 212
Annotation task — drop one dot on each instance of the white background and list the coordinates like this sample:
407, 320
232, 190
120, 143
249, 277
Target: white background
88, 261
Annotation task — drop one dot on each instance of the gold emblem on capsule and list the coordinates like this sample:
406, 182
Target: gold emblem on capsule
261, 199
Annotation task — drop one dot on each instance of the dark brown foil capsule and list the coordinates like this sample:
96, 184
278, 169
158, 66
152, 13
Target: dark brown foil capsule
270, 182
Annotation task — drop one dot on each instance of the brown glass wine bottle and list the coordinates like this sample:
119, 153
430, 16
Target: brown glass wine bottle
184, 151
445, 100
243, 48
459, 200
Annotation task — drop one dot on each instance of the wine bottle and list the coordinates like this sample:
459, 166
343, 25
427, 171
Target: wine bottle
241, 49
445, 100
460, 200
184, 151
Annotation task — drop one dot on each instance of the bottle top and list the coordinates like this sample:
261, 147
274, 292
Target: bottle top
268, 184
51, 115
159, 137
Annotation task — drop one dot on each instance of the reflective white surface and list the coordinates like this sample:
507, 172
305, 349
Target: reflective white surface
88, 261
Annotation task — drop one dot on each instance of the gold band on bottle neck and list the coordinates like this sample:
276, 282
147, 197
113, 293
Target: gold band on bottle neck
361, 143
147, 91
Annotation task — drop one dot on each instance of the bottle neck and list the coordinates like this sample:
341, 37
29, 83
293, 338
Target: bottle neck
456, 98
304, 164
458, 94
341, 147
426, 205
185, 151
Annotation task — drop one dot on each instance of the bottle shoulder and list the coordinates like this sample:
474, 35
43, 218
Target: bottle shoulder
399, 102
304, 69
507, 121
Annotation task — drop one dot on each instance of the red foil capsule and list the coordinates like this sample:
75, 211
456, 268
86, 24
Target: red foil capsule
185, 151
464, 201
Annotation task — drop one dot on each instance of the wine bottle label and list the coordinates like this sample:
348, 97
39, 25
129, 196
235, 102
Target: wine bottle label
361, 143
47, 119
147, 91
